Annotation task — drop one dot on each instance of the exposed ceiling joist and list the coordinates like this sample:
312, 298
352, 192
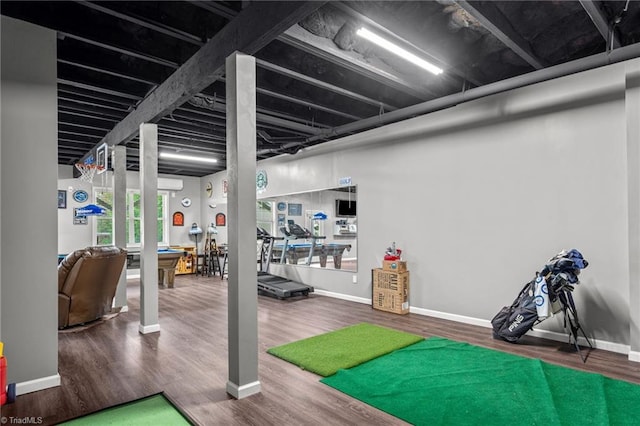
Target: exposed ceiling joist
220, 106
107, 72
600, 21
298, 37
128, 52
85, 114
217, 8
252, 29
490, 17
321, 84
98, 89
155, 26
308, 104
91, 97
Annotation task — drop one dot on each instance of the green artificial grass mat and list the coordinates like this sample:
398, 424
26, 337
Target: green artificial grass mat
442, 382
150, 411
344, 348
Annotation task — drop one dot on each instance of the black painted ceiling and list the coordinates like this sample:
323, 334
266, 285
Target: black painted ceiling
314, 79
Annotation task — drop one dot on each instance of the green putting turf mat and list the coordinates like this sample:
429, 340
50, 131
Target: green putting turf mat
442, 382
344, 348
150, 411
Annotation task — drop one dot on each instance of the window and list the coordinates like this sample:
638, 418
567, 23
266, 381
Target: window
104, 224
264, 215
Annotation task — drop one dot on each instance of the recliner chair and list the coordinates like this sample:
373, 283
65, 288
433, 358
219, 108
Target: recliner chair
87, 281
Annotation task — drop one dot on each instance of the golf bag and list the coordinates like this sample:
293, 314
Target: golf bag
549, 293
513, 321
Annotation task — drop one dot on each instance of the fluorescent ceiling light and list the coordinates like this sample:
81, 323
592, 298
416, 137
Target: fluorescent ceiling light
187, 157
386, 44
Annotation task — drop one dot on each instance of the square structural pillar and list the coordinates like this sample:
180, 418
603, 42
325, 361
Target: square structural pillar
149, 228
241, 171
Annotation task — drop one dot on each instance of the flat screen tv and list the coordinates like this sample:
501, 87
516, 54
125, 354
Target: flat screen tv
345, 208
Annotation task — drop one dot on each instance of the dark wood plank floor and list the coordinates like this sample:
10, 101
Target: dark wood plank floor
111, 363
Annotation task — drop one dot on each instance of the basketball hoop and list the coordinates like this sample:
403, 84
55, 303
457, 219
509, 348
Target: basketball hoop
87, 171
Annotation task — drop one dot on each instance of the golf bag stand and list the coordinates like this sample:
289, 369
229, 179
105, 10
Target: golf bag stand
571, 319
552, 287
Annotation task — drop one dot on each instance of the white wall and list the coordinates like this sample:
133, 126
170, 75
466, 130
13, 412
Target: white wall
29, 130
481, 195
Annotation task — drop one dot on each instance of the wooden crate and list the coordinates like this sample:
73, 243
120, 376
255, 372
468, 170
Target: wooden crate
186, 264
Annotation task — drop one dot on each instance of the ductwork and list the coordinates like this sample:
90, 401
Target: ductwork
545, 74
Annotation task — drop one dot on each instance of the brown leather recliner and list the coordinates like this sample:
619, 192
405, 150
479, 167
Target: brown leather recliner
87, 281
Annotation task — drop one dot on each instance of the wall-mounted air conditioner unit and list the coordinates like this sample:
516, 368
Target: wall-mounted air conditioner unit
170, 184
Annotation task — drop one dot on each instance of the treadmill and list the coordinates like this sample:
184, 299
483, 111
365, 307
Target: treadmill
274, 285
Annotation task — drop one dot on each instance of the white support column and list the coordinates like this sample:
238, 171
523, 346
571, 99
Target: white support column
241, 169
632, 109
148, 228
119, 161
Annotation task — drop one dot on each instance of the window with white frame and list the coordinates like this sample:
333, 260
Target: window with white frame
264, 216
104, 224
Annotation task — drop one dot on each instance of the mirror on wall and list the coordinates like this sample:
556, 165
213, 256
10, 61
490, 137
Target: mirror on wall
317, 229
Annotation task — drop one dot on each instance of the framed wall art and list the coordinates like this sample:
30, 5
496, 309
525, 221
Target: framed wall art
295, 209
62, 199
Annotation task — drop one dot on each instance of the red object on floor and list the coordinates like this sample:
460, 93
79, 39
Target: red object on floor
7, 393
3, 378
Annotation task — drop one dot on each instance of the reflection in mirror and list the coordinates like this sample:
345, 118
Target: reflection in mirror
316, 229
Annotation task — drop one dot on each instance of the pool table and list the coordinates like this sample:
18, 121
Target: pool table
303, 250
167, 261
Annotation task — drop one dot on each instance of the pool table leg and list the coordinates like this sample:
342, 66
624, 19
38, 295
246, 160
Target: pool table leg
166, 277
293, 257
337, 261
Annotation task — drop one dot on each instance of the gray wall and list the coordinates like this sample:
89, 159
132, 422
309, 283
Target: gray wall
28, 220
481, 195
72, 237
217, 199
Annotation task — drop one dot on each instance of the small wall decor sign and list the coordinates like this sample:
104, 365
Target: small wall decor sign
221, 219
178, 219
80, 196
79, 219
261, 180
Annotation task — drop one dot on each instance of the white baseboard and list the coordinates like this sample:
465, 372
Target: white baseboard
545, 334
239, 392
124, 308
343, 296
452, 317
146, 329
37, 384
634, 356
